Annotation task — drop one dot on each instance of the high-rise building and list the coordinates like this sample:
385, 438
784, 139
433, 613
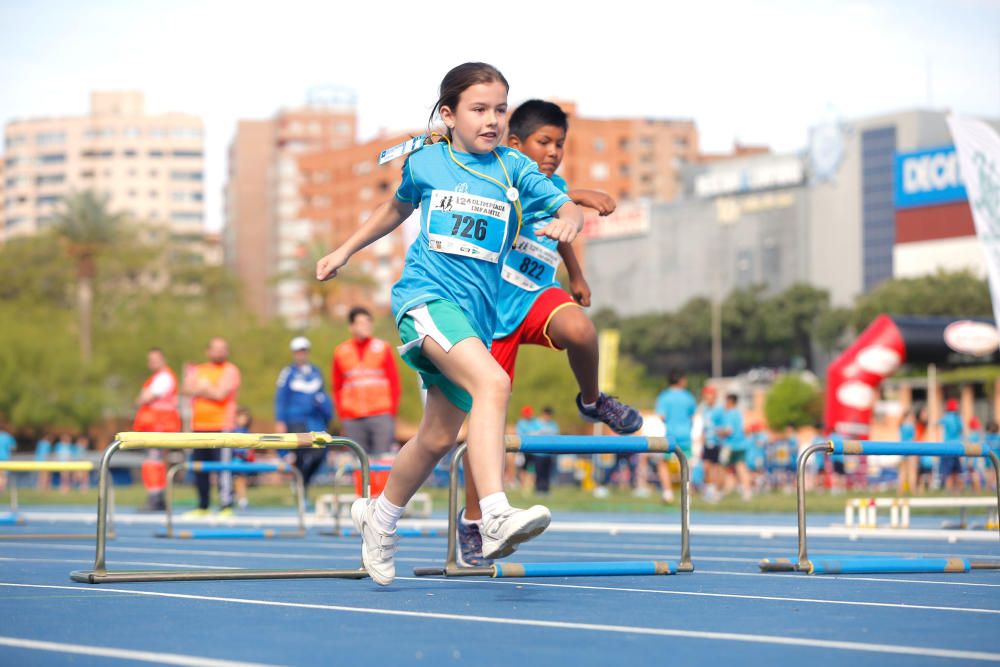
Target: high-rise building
340, 189
629, 158
265, 237
150, 165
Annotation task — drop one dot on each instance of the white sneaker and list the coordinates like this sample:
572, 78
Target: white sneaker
502, 533
377, 548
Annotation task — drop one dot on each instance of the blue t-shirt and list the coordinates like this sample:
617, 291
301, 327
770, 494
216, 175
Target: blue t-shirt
467, 228
64, 450
676, 406
712, 420
527, 427
733, 420
7, 445
546, 427
43, 448
907, 432
951, 426
530, 269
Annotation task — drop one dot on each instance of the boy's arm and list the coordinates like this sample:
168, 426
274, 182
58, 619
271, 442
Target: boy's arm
601, 202
566, 225
386, 218
578, 286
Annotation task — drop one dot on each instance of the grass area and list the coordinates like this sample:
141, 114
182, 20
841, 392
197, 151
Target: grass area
563, 498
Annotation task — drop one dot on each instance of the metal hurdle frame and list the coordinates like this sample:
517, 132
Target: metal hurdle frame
100, 574
44, 466
298, 492
837, 565
568, 444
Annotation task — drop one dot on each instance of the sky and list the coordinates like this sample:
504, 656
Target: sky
756, 71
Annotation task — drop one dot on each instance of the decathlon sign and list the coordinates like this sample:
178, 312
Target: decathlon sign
928, 177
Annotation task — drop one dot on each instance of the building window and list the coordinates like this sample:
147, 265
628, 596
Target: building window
49, 138
153, 194
15, 140
153, 173
185, 175
52, 158
186, 154
185, 216
186, 196
12, 161
132, 132
95, 154
623, 170
186, 132
129, 153
14, 222
157, 132
49, 179
599, 171
155, 154
132, 194
47, 200
598, 144
87, 173
363, 167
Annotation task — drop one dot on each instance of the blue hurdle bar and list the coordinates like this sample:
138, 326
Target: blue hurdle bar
402, 532
229, 533
584, 569
884, 565
11, 519
239, 467
568, 444
874, 565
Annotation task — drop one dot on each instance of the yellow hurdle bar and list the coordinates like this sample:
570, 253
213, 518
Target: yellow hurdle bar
132, 440
46, 466
41, 466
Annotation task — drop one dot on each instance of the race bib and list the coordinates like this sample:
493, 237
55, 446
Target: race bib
530, 265
459, 223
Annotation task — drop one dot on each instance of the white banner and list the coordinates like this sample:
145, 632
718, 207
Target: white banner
978, 149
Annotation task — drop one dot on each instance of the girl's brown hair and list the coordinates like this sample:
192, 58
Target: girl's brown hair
460, 78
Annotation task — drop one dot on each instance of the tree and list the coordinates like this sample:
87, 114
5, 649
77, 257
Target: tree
322, 295
793, 401
87, 228
957, 293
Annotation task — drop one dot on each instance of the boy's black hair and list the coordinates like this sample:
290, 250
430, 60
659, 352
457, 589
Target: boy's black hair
733, 398
357, 310
675, 375
534, 114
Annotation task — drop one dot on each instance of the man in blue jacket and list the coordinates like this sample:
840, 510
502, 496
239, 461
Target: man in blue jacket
302, 404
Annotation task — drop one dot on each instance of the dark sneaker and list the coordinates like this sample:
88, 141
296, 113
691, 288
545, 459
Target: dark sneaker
502, 533
620, 418
470, 544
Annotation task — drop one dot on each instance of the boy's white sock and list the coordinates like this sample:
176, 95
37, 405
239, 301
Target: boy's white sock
469, 522
385, 515
493, 504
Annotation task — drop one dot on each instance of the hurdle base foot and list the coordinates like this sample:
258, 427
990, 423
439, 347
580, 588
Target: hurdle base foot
129, 576
428, 572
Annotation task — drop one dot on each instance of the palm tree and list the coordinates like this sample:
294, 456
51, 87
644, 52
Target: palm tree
86, 228
321, 296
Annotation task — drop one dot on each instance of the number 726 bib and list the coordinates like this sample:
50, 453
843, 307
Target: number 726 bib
460, 223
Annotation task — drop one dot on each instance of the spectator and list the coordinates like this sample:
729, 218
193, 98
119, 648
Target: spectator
64, 451
7, 447
156, 411
711, 420
950, 467
544, 425
909, 465
526, 425
81, 447
676, 407
43, 450
366, 386
244, 422
213, 386
736, 444
301, 404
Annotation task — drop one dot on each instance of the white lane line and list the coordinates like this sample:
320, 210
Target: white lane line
672, 527
896, 649
124, 654
800, 577
118, 562
738, 596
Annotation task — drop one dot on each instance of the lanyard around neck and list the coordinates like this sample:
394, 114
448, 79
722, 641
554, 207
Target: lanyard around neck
516, 201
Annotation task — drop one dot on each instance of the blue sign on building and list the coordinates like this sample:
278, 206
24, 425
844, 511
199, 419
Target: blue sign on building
928, 177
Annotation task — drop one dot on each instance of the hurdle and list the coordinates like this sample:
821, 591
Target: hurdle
130, 440
282, 467
899, 509
867, 564
568, 444
333, 505
14, 518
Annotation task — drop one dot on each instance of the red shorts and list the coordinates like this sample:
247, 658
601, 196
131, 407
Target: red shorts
533, 330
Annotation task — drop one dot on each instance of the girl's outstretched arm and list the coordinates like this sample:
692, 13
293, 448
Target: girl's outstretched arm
383, 220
